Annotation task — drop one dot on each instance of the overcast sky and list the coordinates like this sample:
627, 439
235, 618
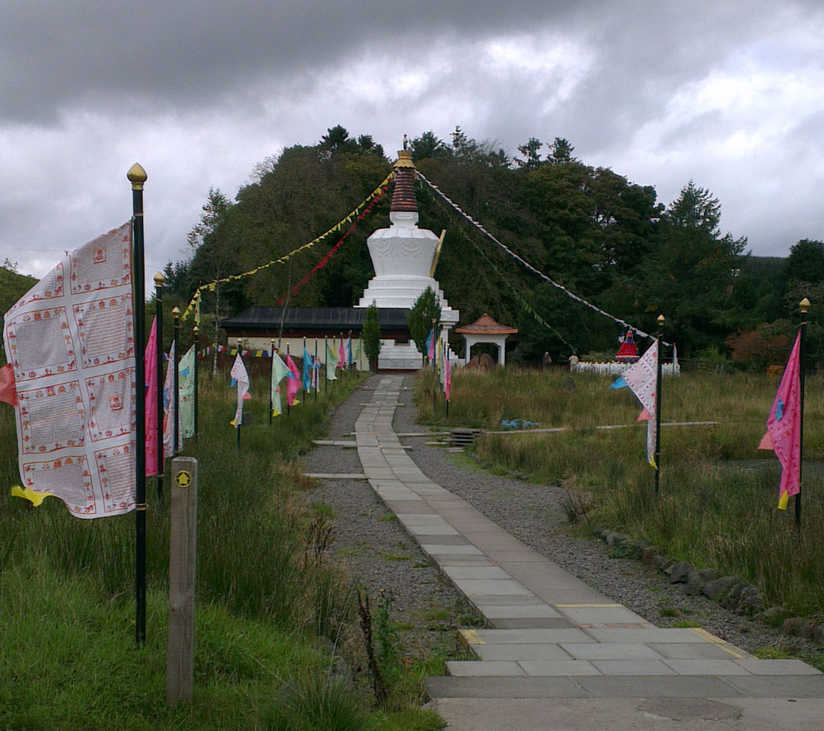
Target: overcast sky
726, 93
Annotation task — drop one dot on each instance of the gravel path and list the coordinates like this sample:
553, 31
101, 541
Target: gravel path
381, 555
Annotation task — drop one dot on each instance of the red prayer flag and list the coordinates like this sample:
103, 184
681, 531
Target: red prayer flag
150, 365
8, 390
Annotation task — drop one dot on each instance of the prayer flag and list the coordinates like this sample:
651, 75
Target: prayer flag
641, 378
279, 372
8, 392
241, 377
292, 382
186, 390
330, 362
430, 345
341, 356
169, 411
349, 351
70, 343
307, 371
783, 434
150, 372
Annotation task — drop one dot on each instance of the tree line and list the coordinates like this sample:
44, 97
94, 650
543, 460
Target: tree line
596, 232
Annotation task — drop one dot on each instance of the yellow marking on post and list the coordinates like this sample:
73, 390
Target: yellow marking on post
587, 606
471, 637
723, 644
183, 478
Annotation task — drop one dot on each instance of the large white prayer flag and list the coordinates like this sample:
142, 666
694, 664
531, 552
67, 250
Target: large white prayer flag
186, 389
241, 378
641, 378
70, 342
170, 412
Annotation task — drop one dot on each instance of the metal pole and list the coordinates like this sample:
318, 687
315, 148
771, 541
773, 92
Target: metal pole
137, 177
175, 384
288, 406
159, 281
196, 338
325, 364
658, 403
240, 424
316, 370
804, 306
271, 376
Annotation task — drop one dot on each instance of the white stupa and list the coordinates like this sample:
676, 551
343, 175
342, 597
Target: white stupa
404, 257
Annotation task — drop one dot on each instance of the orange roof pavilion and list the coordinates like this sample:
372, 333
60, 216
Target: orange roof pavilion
486, 330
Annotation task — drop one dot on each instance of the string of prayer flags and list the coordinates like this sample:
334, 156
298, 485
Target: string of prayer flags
279, 371
186, 393
70, 343
210, 286
240, 378
783, 433
641, 377
293, 382
150, 371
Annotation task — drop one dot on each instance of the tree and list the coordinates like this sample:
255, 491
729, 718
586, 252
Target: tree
806, 261
429, 146
425, 311
560, 151
371, 336
337, 139
531, 150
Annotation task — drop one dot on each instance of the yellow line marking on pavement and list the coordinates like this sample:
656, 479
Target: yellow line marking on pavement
472, 637
723, 644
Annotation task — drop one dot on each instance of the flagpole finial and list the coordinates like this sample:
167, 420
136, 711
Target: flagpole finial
661, 321
159, 279
195, 330
176, 312
137, 176
804, 306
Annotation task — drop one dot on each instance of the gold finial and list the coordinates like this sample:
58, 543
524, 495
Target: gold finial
137, 176
405, 142
804, 306
660, 321
176, 312
159, 279
195, 330
404, 159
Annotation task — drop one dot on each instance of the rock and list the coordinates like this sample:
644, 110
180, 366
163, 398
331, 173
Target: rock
680, 572
616, 539
775, 616
648, 553
750, 601
662, 563
730, 599
693, 584
793, 625
717, 588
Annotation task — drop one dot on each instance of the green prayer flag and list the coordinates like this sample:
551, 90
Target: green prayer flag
279, 371
186, 393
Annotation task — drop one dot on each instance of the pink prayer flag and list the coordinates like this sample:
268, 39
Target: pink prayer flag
150, 365
293, 382
8, 391
784, 427
447, 381
341, 356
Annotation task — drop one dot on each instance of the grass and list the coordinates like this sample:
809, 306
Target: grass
271, 610
718, 493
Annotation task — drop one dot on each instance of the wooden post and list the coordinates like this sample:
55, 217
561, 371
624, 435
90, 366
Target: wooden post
182, 554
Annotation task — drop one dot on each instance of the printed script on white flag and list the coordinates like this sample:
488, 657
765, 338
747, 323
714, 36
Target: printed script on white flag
71, 344
641, 377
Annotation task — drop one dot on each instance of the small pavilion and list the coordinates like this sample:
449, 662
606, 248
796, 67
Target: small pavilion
486, 330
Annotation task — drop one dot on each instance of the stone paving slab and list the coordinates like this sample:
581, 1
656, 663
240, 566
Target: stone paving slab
449, 551
476, 572
335, 475
634, 667
502, 587
547, 668
600, 615
484, 668
778, 667
518, 611
707, 667
655, 686
521, 652
694, 651
530, 623
614, 651
779, 686
513, 687
654, 634
526, 636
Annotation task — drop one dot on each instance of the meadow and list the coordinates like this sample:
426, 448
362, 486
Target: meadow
716, 506
273, 612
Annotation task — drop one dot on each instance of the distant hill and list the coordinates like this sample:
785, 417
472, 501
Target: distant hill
12, 287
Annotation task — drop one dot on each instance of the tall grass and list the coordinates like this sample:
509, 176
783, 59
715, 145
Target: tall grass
718, 493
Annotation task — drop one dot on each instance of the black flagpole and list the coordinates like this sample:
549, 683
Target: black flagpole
137, 177
175, 384
271, 376
196, 338
804, 306
159, 280
658, 403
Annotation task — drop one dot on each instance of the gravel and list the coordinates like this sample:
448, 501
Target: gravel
381, 555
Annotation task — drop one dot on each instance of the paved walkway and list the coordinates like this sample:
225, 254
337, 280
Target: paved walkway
559, 654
